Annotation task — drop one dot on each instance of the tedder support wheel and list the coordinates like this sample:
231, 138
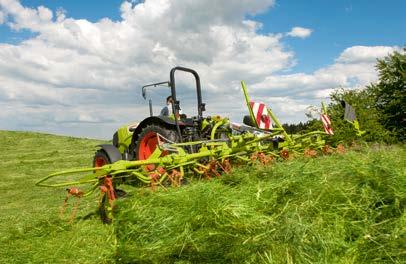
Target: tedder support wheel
100, 158
105, 210
147, 140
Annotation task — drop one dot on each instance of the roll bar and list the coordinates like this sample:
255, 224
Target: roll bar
200, 105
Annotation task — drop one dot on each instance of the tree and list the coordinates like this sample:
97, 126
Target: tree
363, 101
295, 128
390, 93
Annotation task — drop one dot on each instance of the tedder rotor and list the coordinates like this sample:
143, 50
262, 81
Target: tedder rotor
166, 150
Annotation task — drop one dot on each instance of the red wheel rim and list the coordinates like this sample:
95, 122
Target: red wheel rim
147, 145
99, 162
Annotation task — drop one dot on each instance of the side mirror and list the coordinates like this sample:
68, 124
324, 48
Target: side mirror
144, 93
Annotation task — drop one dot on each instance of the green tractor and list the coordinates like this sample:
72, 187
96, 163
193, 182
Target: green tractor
138, 141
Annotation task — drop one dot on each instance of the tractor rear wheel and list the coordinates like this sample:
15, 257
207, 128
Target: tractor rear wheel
105, 210
147, 140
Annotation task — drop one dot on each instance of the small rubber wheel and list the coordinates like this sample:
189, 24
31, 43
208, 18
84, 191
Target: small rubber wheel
100, 158
147, 140
105, 211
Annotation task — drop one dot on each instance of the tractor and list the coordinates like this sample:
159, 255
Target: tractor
138, 141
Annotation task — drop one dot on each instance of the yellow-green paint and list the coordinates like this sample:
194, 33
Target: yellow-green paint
124, 137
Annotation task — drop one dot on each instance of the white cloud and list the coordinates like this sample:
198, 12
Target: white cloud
353, 68
300, 32
146, 42
323, 94
71, 62
82, 78
364, 54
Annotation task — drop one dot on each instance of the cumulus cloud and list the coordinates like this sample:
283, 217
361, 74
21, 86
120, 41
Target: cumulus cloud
82, 78
353, 68
300, 32
363, 54
144, 43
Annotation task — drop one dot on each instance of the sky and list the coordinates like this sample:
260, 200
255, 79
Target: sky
77, 67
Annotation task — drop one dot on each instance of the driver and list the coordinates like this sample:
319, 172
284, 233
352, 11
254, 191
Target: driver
168, 107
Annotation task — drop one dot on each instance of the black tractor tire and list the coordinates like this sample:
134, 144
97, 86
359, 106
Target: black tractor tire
142, 144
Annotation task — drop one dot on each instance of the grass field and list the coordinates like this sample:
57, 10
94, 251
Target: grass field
30, 228
337, 209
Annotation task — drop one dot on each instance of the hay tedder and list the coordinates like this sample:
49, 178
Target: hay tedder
169, 150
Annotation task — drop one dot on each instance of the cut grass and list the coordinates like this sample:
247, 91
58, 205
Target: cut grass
338, 209
30, 228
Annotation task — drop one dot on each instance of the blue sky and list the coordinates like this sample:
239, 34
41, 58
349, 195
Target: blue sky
57, 75
337, 25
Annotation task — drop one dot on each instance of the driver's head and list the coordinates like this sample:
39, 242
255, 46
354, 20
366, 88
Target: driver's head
169, 100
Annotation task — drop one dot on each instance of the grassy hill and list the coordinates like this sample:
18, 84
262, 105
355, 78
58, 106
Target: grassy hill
30, 228
336, 209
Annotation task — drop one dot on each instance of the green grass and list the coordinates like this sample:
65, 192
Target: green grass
31, 230
337, 209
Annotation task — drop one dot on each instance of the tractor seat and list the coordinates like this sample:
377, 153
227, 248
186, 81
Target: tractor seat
186, 121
